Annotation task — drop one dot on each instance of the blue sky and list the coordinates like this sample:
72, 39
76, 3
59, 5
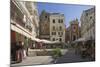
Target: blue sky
70, 11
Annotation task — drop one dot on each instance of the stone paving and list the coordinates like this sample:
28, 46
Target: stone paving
36, 60
71, 57
68, 57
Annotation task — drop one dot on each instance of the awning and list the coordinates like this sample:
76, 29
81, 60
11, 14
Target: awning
36, 39
49, 42
80, 40
84, 39
45, 41
20, 30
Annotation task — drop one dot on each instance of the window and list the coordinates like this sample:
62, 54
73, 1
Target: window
53, 33
62, 21
59, 20
60, 28
58, 33
53, 20
86, 14
74, 27
53, 28
90, 17
53, 39
45, 16
74, 37
61, 33
60, 39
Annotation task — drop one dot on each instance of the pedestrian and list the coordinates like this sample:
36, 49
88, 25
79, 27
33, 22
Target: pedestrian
41, 45
19, 52
23, 51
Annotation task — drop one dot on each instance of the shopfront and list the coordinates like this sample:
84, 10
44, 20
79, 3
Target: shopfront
15, 39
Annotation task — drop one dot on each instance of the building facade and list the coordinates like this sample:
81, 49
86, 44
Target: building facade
73, 31
57, 27
88, 23
52, 26
44, 26
24, 22
67, 35
32, 8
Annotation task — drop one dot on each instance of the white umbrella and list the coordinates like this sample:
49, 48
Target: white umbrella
45, 41
49, 42
37, 40
79, 40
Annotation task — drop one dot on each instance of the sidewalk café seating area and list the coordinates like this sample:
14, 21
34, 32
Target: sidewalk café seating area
85, 47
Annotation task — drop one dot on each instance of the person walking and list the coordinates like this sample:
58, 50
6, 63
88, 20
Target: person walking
19, 52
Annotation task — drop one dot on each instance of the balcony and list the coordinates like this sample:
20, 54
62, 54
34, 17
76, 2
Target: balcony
29, 28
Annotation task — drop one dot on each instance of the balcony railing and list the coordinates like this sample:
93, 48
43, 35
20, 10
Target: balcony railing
20, 22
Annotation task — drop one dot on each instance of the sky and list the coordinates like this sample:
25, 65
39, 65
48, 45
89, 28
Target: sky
70, 11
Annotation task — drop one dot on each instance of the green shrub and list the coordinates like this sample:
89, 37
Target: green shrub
57, 53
